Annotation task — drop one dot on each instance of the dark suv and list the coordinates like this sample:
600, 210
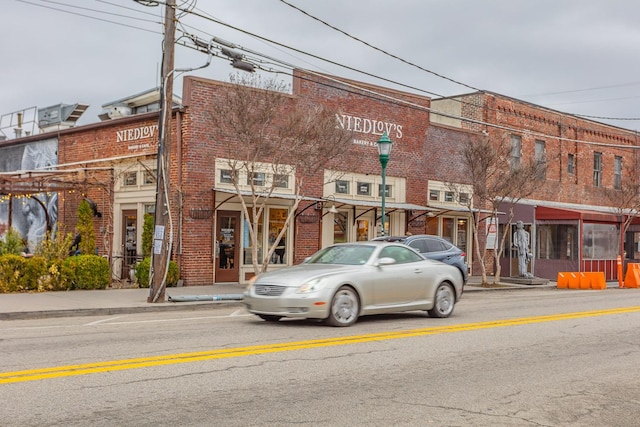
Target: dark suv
433, 247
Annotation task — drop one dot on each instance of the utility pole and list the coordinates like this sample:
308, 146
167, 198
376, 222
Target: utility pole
162, 241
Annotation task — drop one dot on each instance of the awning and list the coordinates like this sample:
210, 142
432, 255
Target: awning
377, 204
548, 213
338, 202
284, 196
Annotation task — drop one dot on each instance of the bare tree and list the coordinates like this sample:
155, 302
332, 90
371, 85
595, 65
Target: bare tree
497, 181
277, 137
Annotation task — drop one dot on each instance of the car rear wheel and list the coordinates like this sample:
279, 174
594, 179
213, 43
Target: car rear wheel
444, 301
269, 317
345, 307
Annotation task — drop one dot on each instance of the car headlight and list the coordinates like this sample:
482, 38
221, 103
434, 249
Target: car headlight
313, 285
252, 281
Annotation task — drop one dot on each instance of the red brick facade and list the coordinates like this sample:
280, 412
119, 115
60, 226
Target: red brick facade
423, 152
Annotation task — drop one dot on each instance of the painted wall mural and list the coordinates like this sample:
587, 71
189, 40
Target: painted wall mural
29, 214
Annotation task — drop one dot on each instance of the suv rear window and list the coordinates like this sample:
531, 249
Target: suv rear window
435, 246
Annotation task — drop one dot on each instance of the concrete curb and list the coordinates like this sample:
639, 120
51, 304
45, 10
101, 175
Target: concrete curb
110, 311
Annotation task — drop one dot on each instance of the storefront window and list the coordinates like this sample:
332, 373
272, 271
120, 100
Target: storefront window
363, 230
557, 241
632, 244
600, 241
339, 228
461, 242
448, 229
277, 218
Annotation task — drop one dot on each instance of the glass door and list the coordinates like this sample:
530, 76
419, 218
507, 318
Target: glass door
129, 243
226, 263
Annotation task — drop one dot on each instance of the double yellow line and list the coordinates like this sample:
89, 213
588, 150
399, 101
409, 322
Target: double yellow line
171, 359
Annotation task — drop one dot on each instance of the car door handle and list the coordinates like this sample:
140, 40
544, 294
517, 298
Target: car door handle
417, 271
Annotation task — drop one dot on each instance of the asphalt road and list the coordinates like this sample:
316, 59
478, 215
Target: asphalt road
534, 358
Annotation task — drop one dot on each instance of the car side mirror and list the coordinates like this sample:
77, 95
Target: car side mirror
385, 261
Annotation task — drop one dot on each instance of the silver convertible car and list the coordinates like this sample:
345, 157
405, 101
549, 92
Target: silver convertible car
344, 281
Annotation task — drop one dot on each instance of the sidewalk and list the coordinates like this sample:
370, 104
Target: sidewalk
124, 301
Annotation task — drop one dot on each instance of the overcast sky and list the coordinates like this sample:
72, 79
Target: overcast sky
576, 56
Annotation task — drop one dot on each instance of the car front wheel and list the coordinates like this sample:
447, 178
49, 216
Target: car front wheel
443, 301
345, 307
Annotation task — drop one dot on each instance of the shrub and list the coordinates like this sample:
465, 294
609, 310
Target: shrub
12, 269
147, 234
87, 271
142, 273
54, 279
54, 248
12, 242
85, 228
35, 269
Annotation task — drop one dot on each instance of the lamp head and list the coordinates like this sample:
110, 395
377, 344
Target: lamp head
384, 145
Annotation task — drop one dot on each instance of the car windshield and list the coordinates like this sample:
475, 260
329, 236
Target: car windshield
343, 254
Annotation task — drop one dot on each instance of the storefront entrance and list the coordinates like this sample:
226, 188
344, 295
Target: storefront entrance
129, 242
227, 251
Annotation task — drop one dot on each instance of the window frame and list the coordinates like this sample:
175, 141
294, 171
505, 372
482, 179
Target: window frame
597, 169
617, 172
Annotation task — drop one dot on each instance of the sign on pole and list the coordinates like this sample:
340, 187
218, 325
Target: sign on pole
492, 232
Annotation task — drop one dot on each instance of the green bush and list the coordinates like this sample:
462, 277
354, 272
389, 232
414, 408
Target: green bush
147, 234
55, 248
35, 270
54, 279
87, 271
12, 242
12, 270
142, 273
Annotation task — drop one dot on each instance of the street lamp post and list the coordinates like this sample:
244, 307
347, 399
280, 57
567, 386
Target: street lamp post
384, 149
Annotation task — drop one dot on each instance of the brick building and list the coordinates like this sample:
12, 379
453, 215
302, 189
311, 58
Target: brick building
574, 216
116, 162
113, 163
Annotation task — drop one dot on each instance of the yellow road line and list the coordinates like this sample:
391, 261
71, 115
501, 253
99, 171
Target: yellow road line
170, 359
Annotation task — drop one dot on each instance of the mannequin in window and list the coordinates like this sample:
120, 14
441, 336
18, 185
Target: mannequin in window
280, 249
521, 244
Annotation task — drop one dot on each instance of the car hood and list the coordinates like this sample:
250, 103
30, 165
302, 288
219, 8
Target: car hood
299, 274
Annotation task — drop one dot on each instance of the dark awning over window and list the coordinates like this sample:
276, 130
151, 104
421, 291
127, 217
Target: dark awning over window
548, 213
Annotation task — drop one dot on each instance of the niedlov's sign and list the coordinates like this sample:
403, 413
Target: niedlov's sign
136, 134
368, 126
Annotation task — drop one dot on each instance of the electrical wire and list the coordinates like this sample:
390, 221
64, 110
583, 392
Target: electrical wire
92, 17
215, 20
379, 49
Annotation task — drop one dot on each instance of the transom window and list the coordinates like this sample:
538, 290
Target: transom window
281, 181
364, 189
257, 178
388, 192
150, 176
130, 178
342, 187
226, 176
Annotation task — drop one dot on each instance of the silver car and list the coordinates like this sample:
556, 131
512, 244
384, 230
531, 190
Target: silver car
344, 281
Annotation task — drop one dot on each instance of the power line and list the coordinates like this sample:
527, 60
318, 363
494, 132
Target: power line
379, 49
433, 111
92, 17
440, 75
